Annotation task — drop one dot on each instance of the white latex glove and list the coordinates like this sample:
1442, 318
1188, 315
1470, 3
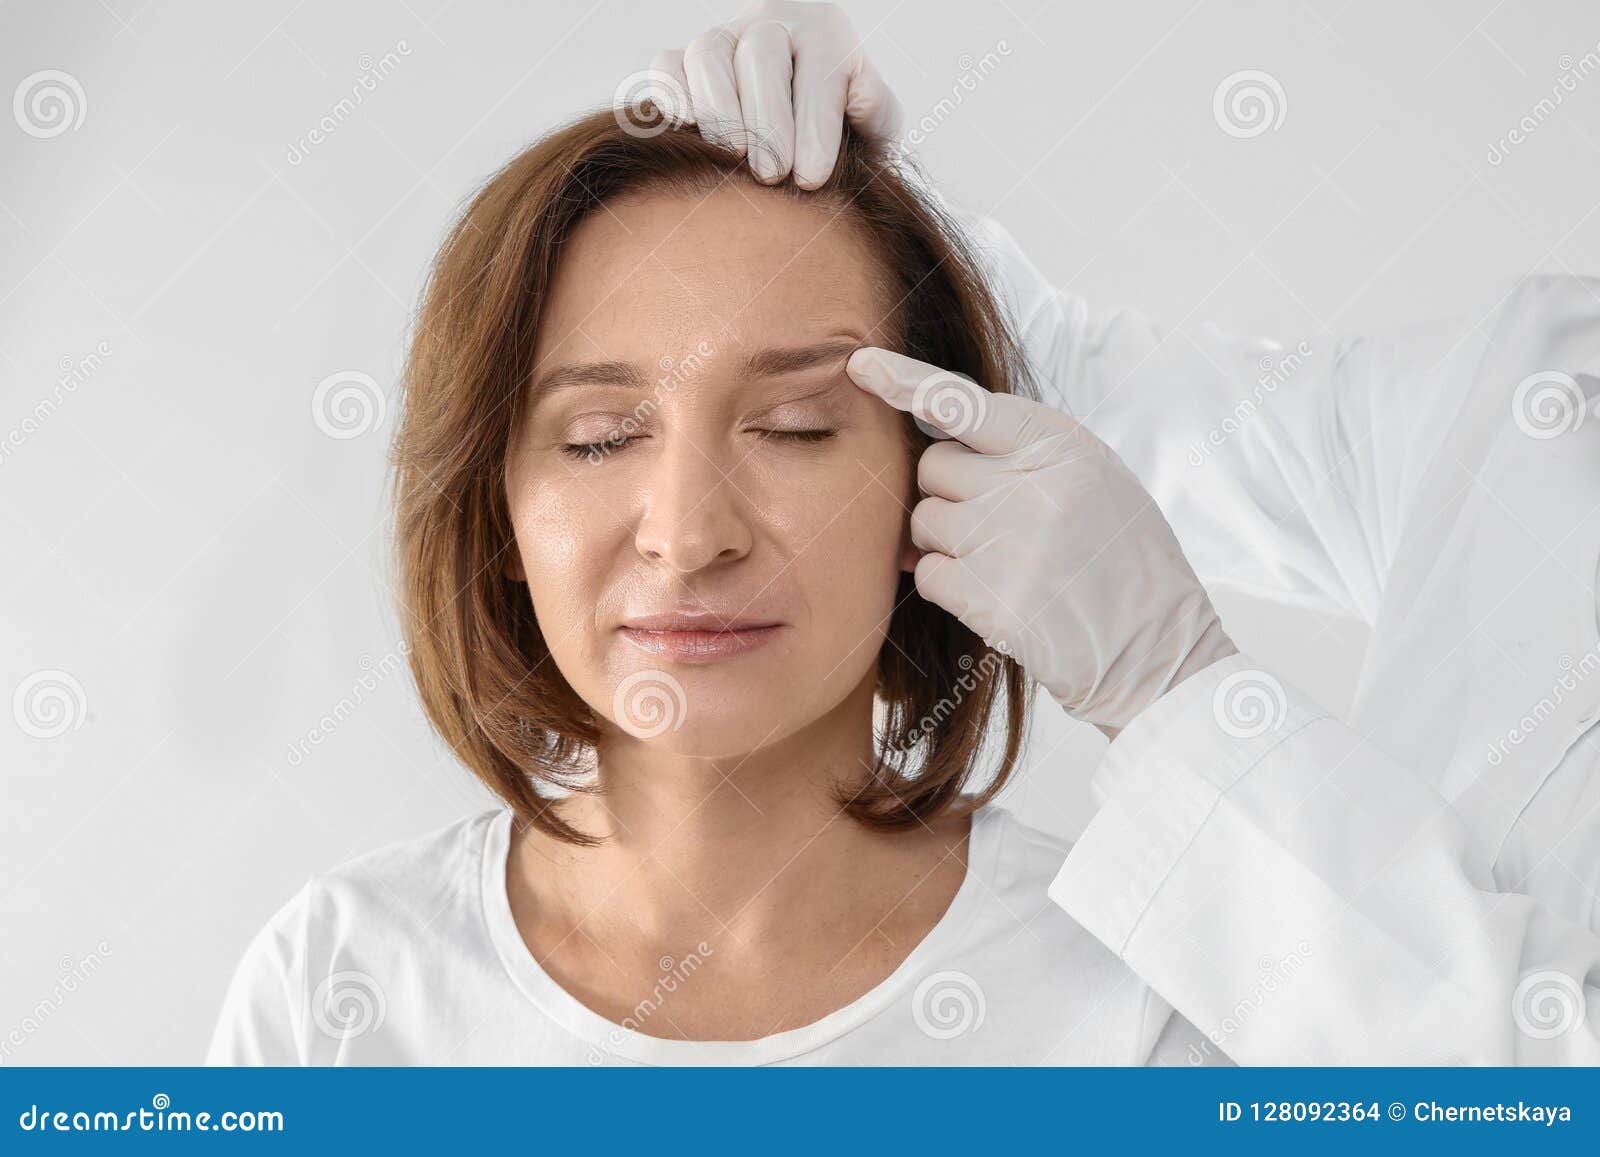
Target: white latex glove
1042, 541
783, 76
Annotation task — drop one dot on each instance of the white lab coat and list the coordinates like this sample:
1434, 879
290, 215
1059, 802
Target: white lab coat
1415, 884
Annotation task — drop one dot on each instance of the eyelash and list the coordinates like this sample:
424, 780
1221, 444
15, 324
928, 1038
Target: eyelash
584, 450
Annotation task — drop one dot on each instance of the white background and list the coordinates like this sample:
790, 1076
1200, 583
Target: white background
182, 539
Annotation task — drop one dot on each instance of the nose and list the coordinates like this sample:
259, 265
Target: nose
694, 513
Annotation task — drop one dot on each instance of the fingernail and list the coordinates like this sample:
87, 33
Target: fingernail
806, 169
760, 165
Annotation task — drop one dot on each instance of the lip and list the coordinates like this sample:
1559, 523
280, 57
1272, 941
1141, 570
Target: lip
697, 638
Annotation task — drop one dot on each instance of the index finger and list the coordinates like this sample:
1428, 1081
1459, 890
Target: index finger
955, 406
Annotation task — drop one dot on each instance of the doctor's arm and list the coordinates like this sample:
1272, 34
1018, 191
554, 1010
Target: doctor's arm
1291, 890
1307, 900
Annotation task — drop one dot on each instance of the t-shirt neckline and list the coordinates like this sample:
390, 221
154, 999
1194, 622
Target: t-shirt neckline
607, 1037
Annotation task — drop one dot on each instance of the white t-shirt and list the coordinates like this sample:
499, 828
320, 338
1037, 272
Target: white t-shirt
409, 955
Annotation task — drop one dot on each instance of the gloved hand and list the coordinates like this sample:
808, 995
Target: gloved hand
1042, 541
783, 76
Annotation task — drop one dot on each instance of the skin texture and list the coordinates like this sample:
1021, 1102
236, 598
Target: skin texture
720, 829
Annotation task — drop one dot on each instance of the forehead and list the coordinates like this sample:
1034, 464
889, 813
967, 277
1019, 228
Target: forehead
650, 273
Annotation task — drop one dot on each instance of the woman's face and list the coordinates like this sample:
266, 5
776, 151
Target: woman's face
694, 447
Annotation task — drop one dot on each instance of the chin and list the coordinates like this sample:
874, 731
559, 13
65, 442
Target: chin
713, 710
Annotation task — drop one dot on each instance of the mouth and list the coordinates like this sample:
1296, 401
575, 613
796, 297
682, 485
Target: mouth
698, 638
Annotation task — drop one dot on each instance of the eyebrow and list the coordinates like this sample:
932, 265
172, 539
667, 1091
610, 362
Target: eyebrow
591, 374
761, 363
773, 362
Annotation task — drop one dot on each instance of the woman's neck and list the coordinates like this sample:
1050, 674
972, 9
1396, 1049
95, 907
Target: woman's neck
746, 851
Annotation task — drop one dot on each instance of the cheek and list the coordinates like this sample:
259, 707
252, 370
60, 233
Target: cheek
843, 527
561, 530
858, 554
851, 568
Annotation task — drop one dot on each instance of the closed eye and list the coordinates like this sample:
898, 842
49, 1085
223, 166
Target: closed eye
593, 451
799, 435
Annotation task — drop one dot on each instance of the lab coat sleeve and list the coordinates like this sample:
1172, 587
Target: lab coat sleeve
1284, 467
1303, 899
262, 1020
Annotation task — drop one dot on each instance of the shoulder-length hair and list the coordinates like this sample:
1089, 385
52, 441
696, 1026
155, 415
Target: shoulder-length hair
482, 668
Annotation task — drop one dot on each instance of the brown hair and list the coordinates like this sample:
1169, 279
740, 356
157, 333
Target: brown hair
482, 668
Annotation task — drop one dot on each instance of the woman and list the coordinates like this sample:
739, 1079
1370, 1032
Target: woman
656, 555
